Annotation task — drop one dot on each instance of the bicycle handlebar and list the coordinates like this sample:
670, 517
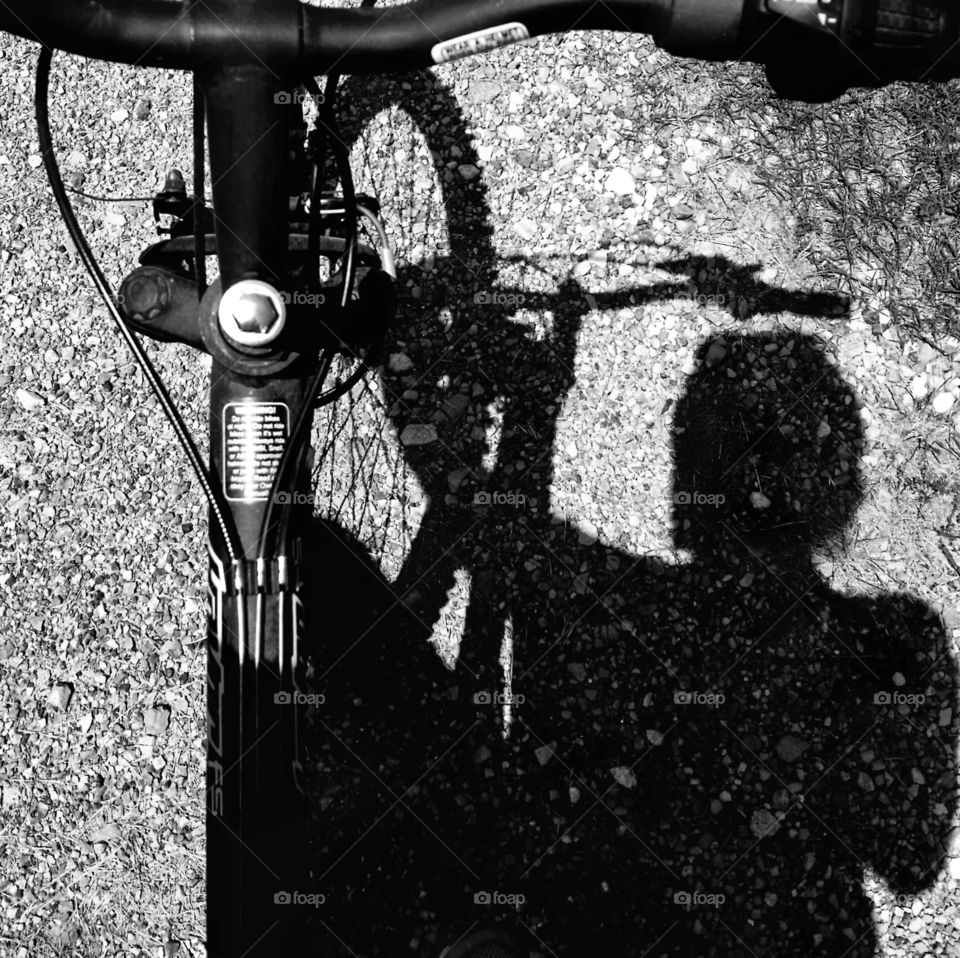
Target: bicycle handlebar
864, 41
301, 38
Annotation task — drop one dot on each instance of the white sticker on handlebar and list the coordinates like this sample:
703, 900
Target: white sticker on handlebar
479, 42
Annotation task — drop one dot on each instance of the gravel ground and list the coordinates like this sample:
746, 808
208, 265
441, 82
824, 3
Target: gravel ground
601, 260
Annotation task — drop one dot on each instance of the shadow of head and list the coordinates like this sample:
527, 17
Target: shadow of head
767, 439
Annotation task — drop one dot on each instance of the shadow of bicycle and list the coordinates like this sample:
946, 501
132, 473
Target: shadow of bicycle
707, 755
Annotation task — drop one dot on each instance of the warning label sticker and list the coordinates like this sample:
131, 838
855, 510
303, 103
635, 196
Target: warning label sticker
254, 434
479, 42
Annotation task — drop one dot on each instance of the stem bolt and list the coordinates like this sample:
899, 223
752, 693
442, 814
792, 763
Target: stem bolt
251, 313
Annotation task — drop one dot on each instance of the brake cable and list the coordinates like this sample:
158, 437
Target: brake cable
295, 448
218, 506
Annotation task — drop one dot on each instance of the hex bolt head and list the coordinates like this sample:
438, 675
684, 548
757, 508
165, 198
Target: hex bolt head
251, 313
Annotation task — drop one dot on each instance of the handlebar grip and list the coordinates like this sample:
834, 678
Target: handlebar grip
902, 24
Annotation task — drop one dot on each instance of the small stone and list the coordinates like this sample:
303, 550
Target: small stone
105, 833
453, 408
118, 116
654, 737
763, 823
526, 229
29, 400
588, 533
918, 386
142, 109
545, 753
790, 748
481, 755
85, 722
954, 869
156, 720
946, 715
468, 171
455, 478
865, 782
574, 794
621, 183
759, 501
570, 450
899, 680
483, 91
683, 212
418, 434
716, 353
716, 806
943, 402
823, 430
624, 776
400, 362
60, 695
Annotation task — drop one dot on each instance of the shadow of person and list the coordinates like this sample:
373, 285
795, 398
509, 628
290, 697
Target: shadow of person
429, 819
742, 745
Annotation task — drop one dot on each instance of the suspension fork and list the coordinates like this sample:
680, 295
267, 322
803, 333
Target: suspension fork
255, 632
255, 662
